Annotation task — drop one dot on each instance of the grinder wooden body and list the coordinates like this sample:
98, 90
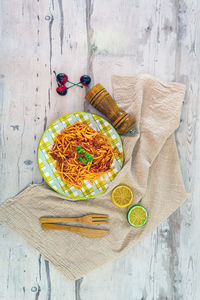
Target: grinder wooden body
98, 97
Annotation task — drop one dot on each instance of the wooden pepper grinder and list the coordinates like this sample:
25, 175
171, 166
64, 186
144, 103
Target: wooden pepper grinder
102, 101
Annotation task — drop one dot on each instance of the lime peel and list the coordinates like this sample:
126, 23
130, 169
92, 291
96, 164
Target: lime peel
139, 216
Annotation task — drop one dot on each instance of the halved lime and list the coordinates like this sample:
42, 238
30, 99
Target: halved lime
137, 215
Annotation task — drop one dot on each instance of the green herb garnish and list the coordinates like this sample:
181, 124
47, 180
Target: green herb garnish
80, 151
78, 147
87, 157
84, 161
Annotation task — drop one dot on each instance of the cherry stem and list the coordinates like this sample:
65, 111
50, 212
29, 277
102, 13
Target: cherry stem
75, 83
56, 78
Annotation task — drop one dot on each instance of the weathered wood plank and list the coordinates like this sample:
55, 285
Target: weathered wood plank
100, 38
38, 37
145, 37
187, 70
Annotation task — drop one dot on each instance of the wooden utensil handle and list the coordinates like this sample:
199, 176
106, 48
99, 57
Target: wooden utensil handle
58, 220
58, 227
88, 232
102, 100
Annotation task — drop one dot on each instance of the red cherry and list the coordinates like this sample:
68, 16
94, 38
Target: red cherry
62, 78
85, 80
61, 90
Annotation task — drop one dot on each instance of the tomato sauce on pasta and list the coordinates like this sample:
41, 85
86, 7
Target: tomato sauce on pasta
72, 164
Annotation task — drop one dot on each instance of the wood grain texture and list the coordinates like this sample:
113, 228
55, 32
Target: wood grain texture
99, 38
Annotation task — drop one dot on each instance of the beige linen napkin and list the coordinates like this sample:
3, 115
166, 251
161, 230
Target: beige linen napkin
151, 169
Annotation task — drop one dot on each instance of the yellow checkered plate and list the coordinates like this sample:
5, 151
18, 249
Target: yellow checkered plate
47, 163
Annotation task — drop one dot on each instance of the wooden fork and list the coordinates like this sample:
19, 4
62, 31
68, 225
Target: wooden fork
88, 219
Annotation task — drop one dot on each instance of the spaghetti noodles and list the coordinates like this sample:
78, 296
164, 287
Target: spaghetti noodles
81, 153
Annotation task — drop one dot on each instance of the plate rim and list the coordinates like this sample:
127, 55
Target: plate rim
42, 173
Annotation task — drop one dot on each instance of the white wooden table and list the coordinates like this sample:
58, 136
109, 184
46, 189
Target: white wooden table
98, 38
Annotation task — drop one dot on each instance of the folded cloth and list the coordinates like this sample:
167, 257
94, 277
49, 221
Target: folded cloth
151, 169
